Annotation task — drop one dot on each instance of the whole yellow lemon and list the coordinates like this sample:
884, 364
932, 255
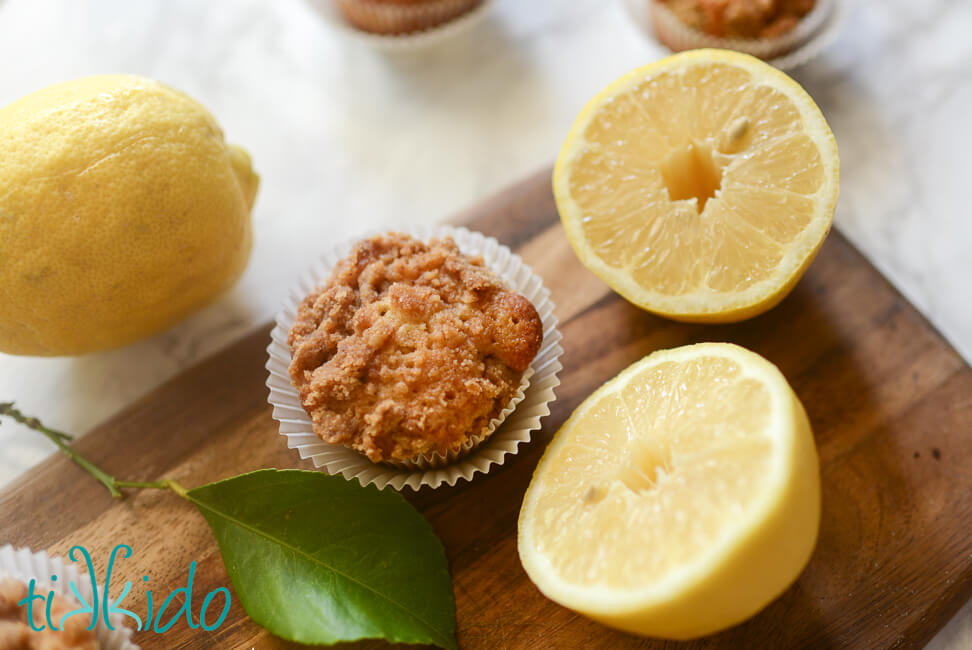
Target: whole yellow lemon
122, 210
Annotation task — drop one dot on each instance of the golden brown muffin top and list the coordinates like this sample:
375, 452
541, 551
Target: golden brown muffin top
16, 634
409, 348
741, 18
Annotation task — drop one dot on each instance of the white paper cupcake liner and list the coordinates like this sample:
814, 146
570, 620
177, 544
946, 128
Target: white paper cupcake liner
23, 564
815, 31
413, 41
820, 40
518, 421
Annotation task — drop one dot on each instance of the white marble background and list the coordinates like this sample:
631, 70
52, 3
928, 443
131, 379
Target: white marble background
348, 138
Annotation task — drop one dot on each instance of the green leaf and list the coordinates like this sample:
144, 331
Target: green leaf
319, 559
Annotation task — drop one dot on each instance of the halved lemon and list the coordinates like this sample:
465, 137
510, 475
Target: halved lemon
680, 498
699, 187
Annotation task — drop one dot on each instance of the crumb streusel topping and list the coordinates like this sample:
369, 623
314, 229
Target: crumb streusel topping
409, 348
15, 631
741, 18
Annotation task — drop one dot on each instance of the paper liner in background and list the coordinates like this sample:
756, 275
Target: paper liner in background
331, 13
816, 31
537, 386
23, 564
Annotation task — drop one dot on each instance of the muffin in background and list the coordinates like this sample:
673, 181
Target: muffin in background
741, 18
399, 17
762, 28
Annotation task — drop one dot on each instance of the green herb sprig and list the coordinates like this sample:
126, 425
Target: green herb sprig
352, 562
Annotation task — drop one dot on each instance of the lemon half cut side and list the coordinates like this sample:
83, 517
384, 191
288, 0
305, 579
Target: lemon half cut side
700, 186
679, 499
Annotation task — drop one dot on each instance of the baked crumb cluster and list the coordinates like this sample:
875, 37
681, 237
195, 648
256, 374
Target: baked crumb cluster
741, 18
16, 634
409, 349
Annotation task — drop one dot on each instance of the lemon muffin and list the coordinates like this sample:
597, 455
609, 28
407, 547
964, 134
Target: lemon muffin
409, 349
763, 28
15, 630
741, 18
403, 16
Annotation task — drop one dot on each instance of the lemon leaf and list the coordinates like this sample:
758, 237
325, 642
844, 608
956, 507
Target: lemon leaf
318, 559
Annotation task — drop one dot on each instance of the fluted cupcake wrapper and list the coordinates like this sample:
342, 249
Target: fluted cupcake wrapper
506, 432
23, 564
813, 33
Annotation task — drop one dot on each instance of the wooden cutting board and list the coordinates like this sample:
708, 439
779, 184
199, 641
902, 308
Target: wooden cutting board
890, 402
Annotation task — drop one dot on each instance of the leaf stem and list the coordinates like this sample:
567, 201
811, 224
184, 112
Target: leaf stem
154, 485
60, 439
178, 489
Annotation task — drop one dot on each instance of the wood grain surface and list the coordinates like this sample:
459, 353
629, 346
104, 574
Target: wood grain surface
889, 400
